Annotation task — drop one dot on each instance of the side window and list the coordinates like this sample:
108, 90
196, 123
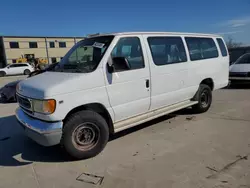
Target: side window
52, 44
208, 48
33, 44
13, 65
130, 48
62, 44
201, 48
194, 48
167, 50
23, 65
53, 60
14, 45
222, 47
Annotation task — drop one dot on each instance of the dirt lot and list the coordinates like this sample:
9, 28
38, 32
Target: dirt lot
179, 150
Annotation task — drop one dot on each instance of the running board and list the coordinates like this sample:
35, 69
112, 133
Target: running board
136, 120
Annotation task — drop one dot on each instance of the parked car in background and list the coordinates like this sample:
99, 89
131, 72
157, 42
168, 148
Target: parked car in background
17, 69
8, 92
236, 53
239, 71
109, 83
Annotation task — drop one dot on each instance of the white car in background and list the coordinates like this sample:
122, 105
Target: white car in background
240, 70
17, 68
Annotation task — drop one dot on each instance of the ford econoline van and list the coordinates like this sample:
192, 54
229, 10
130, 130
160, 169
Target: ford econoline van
111, 82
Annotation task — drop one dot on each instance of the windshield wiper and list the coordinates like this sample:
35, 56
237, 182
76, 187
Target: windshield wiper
76, 68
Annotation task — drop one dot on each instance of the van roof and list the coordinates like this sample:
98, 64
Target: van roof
155, 33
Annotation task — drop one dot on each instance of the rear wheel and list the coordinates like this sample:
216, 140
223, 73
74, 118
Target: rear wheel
85, 134
26, 72
204, 98
2, 74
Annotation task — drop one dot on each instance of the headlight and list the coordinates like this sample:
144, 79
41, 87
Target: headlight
44, 106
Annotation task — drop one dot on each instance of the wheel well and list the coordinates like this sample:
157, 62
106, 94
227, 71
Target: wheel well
209, 82
98, 108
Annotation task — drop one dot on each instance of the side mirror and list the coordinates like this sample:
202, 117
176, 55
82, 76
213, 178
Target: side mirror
119, 64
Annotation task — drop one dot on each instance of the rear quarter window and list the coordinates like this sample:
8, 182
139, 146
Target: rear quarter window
201, 48
222, 46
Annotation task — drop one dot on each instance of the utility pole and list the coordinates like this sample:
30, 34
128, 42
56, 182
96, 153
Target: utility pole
47, 52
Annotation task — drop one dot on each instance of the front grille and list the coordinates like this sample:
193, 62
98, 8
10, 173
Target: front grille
23, 102
26, 110
238, 74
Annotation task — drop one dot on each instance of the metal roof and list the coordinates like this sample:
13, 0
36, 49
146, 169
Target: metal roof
10, 36
155, 33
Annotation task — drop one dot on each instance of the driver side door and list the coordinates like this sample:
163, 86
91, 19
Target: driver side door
129, 90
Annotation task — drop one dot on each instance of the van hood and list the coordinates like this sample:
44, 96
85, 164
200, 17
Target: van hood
240, 68
49, 84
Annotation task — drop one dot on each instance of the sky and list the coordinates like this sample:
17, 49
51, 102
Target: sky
82, 17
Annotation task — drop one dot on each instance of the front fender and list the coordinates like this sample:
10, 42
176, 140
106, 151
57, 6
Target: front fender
69, 101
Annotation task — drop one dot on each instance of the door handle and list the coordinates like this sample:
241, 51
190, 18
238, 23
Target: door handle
147, 83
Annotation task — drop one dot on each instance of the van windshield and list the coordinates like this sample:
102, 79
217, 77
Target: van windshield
85, 56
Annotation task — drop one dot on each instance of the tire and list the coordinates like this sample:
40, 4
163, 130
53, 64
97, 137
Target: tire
204, 98
81, 124
26, 72
2, 74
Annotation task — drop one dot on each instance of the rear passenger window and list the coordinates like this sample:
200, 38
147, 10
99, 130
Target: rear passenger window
222, 47
167, 50
201, 48
130, 48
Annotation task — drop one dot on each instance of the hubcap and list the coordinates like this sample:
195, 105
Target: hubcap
204, 99
86, 136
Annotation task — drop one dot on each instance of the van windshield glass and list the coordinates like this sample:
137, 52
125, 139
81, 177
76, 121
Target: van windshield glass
85, 56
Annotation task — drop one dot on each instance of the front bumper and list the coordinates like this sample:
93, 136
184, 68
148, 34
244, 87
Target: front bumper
44, 133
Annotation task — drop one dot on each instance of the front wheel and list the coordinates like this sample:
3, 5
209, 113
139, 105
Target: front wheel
85, 134
204, 98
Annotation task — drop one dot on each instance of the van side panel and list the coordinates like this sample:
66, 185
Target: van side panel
175, 82
167, 75
216, 68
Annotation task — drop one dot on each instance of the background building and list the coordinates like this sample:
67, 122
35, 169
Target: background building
14, 49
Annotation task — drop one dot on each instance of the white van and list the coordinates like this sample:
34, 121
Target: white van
108, 83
